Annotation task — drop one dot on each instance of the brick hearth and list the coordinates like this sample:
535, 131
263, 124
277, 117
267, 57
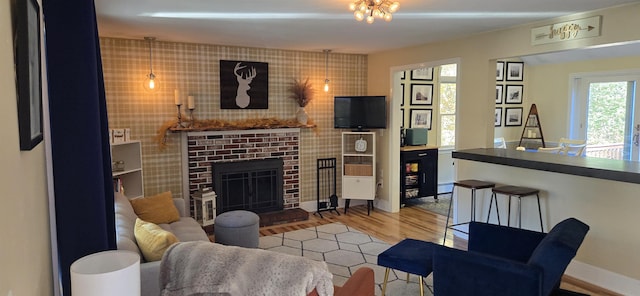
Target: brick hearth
203, 148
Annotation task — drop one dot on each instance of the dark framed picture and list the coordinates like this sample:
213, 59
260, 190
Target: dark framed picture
244, 85
28, 67
422, 74
420, 118
497, 119
499, 95
403, 94
499, 71
513, 116
421, 94
515, 71
513, 94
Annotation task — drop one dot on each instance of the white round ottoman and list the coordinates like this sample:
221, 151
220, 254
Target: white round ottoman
237, 228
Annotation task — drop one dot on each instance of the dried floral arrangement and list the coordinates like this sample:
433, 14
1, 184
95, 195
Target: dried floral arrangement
301, 92
222, 125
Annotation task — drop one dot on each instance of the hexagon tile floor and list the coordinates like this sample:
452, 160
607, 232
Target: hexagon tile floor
345, 250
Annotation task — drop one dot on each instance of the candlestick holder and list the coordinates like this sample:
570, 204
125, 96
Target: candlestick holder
180, 123
191, 117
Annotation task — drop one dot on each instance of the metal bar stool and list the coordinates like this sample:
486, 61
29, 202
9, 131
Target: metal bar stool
469, 184
519, 192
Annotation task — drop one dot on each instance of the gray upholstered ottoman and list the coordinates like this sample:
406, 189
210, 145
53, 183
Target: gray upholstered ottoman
237, 228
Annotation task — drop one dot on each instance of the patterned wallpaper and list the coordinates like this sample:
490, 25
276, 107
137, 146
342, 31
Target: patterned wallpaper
194, 69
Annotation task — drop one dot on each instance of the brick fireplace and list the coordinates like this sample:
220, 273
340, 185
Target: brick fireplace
202, 149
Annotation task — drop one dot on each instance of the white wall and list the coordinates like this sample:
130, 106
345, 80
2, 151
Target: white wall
25, 257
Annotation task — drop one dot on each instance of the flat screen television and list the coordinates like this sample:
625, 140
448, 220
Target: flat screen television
360, 112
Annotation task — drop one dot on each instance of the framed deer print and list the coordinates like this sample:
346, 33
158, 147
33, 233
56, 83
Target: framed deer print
244, 85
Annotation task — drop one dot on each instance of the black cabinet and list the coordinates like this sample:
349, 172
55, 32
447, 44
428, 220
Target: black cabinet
418, 172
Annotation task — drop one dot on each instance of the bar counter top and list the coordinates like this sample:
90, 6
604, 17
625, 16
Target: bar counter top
609, 169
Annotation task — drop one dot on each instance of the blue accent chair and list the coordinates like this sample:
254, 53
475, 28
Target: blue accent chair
507, 261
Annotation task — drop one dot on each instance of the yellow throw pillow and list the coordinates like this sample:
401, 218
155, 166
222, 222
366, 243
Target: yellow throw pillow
152, 240
157, 209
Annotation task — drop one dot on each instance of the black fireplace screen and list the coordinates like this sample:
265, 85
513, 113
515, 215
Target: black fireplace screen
252, 185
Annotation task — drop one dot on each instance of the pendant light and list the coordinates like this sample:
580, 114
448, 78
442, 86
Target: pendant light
151, 82
326, 69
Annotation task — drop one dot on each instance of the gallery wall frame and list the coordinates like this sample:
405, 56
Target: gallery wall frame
499, 93
513, 116
403, 94
513, 94
28, 73
421, 94
422, 74
515, 71
499, 71
497, 119
420, 118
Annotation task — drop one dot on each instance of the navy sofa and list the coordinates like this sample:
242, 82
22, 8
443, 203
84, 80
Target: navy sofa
507, 261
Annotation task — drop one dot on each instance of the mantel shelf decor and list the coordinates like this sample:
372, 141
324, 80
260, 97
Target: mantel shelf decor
227, 125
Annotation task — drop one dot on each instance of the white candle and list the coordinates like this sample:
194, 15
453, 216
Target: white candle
191, 103
177, 98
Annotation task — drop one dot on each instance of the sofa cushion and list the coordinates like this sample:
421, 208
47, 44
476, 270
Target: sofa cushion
125, 220
156, 209
186, 229
153, 240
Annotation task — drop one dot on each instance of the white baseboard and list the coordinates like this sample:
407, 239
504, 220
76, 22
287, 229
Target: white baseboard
603, 278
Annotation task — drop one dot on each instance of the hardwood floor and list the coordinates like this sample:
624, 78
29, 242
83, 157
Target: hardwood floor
410, 222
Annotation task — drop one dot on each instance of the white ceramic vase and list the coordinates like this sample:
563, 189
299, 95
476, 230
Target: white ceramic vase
302, 115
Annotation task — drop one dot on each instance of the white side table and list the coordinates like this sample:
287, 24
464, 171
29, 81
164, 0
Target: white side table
204, 207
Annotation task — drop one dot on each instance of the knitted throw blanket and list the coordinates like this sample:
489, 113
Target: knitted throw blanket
203, 268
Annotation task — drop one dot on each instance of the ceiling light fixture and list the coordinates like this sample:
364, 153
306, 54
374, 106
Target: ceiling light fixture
326, 69
371, 9
151, 83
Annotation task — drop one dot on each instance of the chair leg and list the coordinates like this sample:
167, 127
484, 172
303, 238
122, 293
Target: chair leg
473, 204
519, 211
494, 196
446, 225
540, 213
509, 212
407, 277
421, 286
386, 277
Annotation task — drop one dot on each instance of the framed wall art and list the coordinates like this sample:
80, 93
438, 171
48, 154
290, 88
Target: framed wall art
515, 71
499, 71
403, 94
497, 119
420, 118
28, 66
422, 74
513, 94
421, 94
499, 95
244, 85
513, 116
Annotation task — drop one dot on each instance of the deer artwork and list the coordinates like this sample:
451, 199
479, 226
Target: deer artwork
244, 79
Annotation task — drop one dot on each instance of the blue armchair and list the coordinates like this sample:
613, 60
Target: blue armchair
507, 261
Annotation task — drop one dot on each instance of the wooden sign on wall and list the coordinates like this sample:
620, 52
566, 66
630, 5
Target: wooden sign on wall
565, 31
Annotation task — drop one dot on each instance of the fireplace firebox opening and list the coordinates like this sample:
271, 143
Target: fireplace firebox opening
252, 185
